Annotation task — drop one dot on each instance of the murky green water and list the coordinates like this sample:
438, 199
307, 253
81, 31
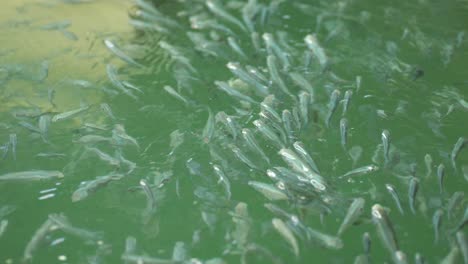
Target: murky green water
405, 64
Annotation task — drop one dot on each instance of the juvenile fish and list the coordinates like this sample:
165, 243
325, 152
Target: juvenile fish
302, 82
64, 224
360, 171
268, 133
428, 161
346, 99
104, 156
253, 144
286, 233
270, 191
224, 180
36, 240
454, 201
384, 228
412, 191
332, 105
366, 243
275, 76
228, 122
235, 47
386, 144
287, 119
313, 44
391, 189
119, 53
90, 187
223, 86
328, 241
241, 156
344, 132
441, 176
121, 137
436, 223
304, 100
106, 109
218, 10
92, 139
247, 77
13, 143
354, 212
461, 142
69, 114
113, 77
174, 93
300, 149
33, 175
463, 245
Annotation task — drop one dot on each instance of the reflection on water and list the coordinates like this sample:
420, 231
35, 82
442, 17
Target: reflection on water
232, 131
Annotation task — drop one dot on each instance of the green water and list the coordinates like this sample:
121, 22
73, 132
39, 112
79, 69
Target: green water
411, 58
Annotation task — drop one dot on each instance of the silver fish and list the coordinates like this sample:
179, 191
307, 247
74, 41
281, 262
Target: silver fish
241, 156
64, 224
455, 200
288, 123
436, 222
463, 221
428, 161
366, 243
391, 189
31, 175
270, 192
13, 143
218, 10
113, 77
175, 94
384, 228
463, 245
302, 82
223, 179
313, 44
354, 212
400, 257
43, 124
120, 136
300, 149
275, 76
3, 226
104, 156
247, 77
286, 233
328, 241
332, 105
441, 176
92, 139
344, 132
228, 122
209, 128
419, 259
346, 99
253, 144
92, 186
270, 112
106, 109
235, 47
119, 53
386, 144
223, 86
137, 259
36, 240
361, 171
304, 100
69, 114
274, 49
461, 142
268, 133
412, 192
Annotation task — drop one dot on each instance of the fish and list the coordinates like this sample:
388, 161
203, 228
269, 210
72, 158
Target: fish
314, 46
461, 142
453, 256
441, 176
3, 226
120, 136
386, 144
242, 225
248, 77
355, 153
225, 87
69, 114
286, 233
208, 130
218, 10
384, 228
120, 53
400, 257
223, 179
428, 162
391, 189
463, 245
175, 94
106, 109
43, 125
287, 119
455, 200
58, 25
104, 156
113, 77
150, 199
232, 42
412, 192
248, 14
332, 105
92, 139
29, 126
179, 253
354, 212
268, 111
299, 80
300, 149
64, 224
13, 143
130, 246
252, 143
361, 171
304, 101
275, 76
436, 223
32, 175
92, 186
228, 122
419, 259
366, 243
274, 49
36, 240
463, 221
268, 133
346, 99
328, 241
270, 192
242, 157
344, 132
137, 259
